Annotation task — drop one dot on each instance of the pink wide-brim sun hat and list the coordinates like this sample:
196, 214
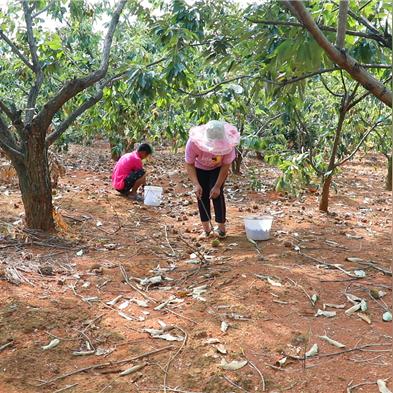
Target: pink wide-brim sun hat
222, 146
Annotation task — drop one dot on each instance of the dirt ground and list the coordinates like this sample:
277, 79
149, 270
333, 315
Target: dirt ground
84, 289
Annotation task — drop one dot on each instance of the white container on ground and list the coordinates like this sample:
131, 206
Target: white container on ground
153, 195
258, 228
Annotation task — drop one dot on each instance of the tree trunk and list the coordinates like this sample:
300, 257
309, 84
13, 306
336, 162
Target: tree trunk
237, 163
35, 184
388, 182
327, 181
324, 201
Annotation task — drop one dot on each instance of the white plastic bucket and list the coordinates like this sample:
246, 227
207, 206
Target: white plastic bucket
258, 228
153, 195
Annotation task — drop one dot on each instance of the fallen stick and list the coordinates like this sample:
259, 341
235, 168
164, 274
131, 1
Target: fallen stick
124, 273
303, 290
65, 388
361, 348
374, 266
102, 365
180, 315
166, 368
350, 387
225, 378
6, 345
252, 365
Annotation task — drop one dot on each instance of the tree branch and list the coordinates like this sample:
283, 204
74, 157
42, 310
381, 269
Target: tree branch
6, 110
387, 66
342, 59
75, 86
14, 116
309, 75
43, 10
384, 41
15, 49
215, 87
7, 142
364, 137
321, 27
329, 90
72, 117
342, 24
35, 89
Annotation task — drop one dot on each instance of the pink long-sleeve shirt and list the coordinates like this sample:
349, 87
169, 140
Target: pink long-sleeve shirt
127, 163
204, 160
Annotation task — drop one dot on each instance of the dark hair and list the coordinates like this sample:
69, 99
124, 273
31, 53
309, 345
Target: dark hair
146, 148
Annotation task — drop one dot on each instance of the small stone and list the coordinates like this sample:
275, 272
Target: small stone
46, 270
200, 334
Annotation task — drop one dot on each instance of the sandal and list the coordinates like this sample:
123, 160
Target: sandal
221, 234
137, 198
204, 235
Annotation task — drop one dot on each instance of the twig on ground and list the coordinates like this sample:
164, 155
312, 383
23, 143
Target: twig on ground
365, 360
301, 288
234, 384
252, 365
289, 387
166, 368
167, 240
360, 348
193, 249
351, 387
275, 367
179, 315
125, 276
6, 345
107, 364
65, 388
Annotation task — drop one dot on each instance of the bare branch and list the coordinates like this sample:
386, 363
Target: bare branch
43, 10
321, 27
15, 49
72, 117
309, 75
342, 24
343, 82
342, 59
35, 89
329, 90
30, 35
14, 115
355, 102
359, 145
75, 86
7, 142
6, 110
387, 66
216, 87
385, 41
365, 5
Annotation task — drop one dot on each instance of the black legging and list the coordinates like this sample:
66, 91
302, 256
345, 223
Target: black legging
207, 180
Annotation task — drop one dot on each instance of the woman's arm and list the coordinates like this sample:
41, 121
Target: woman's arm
194, 179
215, 191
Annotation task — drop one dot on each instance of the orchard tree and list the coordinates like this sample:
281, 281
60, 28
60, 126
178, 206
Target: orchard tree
337, 53
42, 72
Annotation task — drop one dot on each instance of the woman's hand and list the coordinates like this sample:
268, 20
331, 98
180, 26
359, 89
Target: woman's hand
198, 190
215, 192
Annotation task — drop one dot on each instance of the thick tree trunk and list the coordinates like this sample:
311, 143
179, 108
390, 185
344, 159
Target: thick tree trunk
324, 201
35, 184
388, 182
